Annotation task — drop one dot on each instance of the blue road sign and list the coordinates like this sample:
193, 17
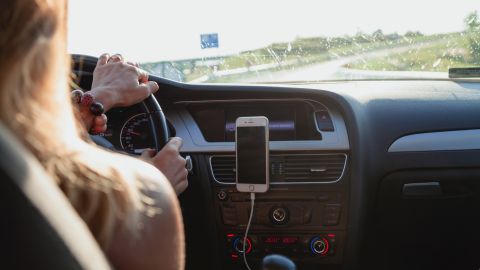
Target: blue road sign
209, 41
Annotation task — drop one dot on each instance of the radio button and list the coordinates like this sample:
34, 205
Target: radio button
222, 195
229, 215
322, 197
307, 215
332, 214
236, 197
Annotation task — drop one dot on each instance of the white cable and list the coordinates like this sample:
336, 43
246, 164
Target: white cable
252, 199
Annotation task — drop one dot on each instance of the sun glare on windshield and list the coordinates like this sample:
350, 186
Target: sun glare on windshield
277, 41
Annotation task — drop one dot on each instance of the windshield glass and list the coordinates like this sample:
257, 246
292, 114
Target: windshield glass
245, 41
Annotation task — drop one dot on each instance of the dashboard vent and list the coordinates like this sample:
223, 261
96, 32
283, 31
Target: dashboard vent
223, 168
293, 168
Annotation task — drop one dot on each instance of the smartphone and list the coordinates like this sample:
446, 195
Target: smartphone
252, 154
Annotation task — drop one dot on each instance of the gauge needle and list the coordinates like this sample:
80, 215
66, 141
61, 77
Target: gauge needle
134, 133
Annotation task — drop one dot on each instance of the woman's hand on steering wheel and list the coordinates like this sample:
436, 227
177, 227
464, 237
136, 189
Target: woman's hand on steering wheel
170, 163
117, 83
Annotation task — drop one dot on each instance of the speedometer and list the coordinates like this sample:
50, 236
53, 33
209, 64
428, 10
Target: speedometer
135, 135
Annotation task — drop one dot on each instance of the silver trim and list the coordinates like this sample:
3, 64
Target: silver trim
284, 183
318, 170
249, 100
438, 141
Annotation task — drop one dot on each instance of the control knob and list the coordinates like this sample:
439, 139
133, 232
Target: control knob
319, 245
279, 215
238, 245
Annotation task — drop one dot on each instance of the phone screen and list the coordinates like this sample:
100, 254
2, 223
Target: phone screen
251, 155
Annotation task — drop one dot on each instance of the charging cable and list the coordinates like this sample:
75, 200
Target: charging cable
252, 199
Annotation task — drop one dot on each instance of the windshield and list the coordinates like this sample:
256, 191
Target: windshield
248, 41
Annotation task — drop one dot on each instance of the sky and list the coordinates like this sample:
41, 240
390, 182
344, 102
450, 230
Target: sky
158, 30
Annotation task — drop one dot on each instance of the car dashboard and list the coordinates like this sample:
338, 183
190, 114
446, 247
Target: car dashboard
378, 174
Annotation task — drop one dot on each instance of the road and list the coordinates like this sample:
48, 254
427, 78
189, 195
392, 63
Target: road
335, 70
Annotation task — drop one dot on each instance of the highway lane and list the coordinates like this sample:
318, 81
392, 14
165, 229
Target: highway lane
334, 69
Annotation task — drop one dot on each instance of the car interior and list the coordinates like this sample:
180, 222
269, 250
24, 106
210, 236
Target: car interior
364, 172
373, 174
383, 173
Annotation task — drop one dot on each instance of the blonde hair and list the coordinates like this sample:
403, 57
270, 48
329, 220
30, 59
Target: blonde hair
35, 105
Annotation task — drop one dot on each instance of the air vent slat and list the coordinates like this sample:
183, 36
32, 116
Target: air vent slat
313, 162
310, 174
310, 159
223, 168
311, 179
314, 168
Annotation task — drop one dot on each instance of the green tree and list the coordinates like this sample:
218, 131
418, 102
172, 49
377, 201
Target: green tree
472, 22
378, 35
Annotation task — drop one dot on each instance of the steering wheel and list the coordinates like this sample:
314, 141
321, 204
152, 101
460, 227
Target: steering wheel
85, 65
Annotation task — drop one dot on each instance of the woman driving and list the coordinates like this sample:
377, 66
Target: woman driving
129, 205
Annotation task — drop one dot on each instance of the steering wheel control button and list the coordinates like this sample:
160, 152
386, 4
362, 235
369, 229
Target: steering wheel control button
279, 215
222, 195
319, 245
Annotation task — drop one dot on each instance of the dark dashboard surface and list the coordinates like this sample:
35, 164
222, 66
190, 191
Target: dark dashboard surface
376, 114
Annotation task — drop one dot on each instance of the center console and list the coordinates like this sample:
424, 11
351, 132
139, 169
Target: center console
304, 213
304, 220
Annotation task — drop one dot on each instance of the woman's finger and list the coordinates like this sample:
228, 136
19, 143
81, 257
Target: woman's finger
147, 153
135, 64
100, 120
142, 75
152, 86
144, 90
180, 187
115, 58
103, 59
